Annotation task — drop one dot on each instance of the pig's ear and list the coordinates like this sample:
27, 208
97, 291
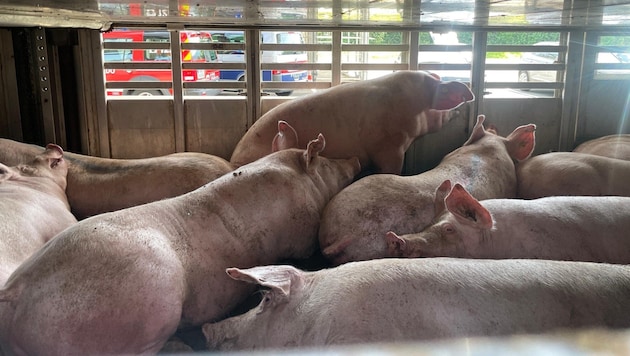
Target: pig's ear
314, 148
521, 142
440, 194
467, 209
477, 132
278, 278
337, 247
395, 244
53, 150
450, 95
285, 138
54, 154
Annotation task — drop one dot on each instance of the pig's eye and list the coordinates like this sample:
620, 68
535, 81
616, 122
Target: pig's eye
266, 302
448, 229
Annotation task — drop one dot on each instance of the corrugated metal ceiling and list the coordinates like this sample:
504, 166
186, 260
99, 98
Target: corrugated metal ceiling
100, 14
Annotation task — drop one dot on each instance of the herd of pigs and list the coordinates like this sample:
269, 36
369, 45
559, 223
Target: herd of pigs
111, 256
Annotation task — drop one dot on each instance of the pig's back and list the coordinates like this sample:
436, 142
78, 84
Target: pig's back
613, 146
572, 173
574, 228
419, 299
367, 209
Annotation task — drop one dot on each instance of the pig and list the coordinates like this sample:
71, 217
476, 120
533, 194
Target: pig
33, 207
613, 146
578, 228
123, 282
97, 185
356, 219
418, 299
572, 173
375, 120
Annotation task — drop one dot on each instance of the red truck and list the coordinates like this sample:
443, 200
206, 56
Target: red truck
155, 55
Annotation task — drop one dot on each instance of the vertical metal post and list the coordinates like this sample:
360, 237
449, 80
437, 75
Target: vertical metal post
412, 11
480, 41
91, 89
414, 46
43, 84
253, 76
336, 58
572, 104
253, 73
10, 121
337, 13
178, 95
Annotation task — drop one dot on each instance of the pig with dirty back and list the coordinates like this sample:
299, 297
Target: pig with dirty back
578, 228
123, 282
613, 146
375, 120
33, 207
97, 185
572, 173
356, 219
398, 300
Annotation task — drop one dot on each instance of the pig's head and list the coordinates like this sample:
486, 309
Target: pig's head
45, 167
328, 175
13, 153
460, 223
249, 330
519, 143
446, 98
450, 95
500, 154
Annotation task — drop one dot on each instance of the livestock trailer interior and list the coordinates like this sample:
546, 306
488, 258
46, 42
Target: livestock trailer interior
100, 78
68, 74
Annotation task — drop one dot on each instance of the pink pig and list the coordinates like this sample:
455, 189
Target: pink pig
375, 120
33, 207
613, 146
558, 228
572, 173
413, 299
123, 282
97, 185
356, 219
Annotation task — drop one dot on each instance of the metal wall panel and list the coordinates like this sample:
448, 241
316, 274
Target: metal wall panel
141, 128
215, 126
508, 114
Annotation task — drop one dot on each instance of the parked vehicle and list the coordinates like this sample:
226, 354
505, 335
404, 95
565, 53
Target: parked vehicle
552, 57
614, 58
272, 37
447, 57
156, 55
539, 58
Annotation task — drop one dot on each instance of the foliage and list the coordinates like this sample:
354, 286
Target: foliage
494, 38
521, 38
385, 37
614, 40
